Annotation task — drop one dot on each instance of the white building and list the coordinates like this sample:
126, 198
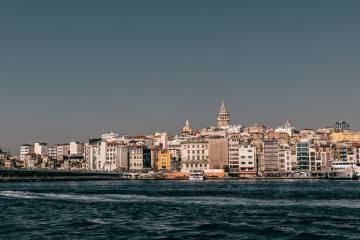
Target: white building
40, 149
160, 138
113, 156
195, 155
111, 136
24, 150
76, 149
247, 159
92, 154
52, 151
106, 155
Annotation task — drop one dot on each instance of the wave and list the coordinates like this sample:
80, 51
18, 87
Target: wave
97, 221
200, 200
17, 194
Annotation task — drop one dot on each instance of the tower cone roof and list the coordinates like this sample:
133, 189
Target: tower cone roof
222, 107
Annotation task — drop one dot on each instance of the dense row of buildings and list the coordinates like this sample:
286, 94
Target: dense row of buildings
226, 149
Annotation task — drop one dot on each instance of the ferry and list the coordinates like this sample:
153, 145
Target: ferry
196, 175
345, 169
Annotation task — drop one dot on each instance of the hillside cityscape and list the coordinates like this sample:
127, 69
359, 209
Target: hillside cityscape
224, 150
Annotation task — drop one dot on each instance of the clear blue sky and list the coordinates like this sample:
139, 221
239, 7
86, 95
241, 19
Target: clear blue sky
70, 69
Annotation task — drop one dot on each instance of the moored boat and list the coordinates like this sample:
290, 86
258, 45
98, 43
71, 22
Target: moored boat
196, 175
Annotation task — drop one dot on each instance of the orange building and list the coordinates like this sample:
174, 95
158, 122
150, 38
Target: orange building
164, 160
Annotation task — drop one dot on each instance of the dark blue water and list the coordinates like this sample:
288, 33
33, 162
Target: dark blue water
180, 210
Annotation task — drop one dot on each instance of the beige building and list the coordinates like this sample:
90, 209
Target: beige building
62, 150
195, 154
271, 157
218, 153
234, 145
284, 159
139, 158
345, 136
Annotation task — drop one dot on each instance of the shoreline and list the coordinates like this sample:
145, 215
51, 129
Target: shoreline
82, 179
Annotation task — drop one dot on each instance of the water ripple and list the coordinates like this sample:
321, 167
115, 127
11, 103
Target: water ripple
181, 210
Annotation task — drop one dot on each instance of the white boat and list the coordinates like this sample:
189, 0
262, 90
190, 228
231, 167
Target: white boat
345, 169
196, 175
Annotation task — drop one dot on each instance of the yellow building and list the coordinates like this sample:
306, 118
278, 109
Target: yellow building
345, 136
164, 160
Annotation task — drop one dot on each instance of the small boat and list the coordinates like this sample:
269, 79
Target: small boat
196, 175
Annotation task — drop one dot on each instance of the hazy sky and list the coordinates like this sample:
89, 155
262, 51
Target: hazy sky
71, 69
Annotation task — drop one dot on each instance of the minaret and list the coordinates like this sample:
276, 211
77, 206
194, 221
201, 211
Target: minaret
186, 129
223, 117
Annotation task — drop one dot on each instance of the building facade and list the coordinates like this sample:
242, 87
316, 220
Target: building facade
195, 155
139, 158
247, 160
271, 157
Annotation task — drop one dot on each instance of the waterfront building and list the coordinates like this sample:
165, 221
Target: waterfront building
40, 148
247, 160
293, 157
92, 154
3, 155
5, 160
218, 153
113, 156
74, 162
303, 156
174, 147
32, 160
26, 149
195, 155
104, 155
271, 157
223, 117
234, 145
52, 152
355, 154
285, 164
62, 150
306, 157
326, 155
76, 148
154, 151
164, 160
139, 158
